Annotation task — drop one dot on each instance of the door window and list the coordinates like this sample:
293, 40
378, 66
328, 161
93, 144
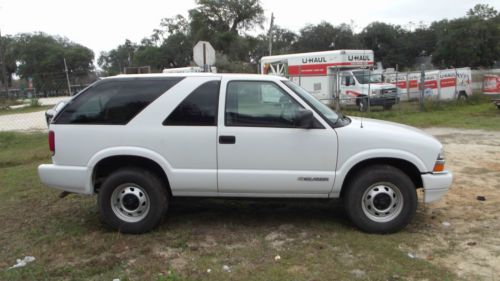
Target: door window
260, 104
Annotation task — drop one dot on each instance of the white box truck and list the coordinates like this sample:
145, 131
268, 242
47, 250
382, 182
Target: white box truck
346, 72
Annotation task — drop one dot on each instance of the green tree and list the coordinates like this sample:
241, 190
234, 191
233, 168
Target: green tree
324, 36
386, 41
221, 21
8, 46
114, 61
468, 41
483, 11
41, 57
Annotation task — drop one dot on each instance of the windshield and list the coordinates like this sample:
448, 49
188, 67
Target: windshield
318, 105
365, 77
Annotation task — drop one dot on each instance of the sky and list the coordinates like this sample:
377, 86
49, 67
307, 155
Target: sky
103, 25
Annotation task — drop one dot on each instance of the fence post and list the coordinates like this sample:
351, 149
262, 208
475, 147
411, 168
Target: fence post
369, 90
422, 86
397, 88
337, 89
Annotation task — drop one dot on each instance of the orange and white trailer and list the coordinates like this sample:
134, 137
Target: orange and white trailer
446, 84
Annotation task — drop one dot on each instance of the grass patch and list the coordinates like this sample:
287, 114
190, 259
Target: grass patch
27, 109
22, 148
476, 113
313, 238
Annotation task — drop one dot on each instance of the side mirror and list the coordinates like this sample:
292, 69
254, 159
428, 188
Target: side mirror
347, 81
304, 119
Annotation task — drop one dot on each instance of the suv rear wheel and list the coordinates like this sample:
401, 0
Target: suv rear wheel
132, 200
381, 199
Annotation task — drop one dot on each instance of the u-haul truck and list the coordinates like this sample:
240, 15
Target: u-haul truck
347, 72
447, 84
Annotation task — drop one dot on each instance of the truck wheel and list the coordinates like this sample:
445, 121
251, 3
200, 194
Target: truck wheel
387, 106
380, 199
363, 104
462, 96
132, 200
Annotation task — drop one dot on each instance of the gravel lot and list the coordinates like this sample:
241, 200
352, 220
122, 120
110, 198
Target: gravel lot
28, 121
462, 233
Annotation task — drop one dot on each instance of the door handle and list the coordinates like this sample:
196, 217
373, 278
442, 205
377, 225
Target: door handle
227, 139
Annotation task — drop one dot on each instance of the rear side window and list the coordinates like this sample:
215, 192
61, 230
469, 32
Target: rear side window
199, 108
114, 102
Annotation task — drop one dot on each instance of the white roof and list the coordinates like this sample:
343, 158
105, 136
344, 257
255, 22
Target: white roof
322, 53
200, 74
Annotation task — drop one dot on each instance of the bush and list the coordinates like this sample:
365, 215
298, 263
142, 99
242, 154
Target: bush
34, 102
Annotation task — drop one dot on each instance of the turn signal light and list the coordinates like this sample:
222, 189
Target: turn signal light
439, 166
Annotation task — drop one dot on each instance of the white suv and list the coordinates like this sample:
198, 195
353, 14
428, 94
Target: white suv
138, 140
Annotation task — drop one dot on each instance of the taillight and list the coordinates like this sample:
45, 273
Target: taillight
52, 142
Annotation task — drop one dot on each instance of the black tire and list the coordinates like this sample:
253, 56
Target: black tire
363, 104
387, 106
154, 189
371, 178
462, 96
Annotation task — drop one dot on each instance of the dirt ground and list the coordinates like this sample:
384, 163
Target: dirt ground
467, 233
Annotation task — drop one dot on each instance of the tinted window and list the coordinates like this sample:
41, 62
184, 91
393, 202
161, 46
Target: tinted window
198, 109
259, 104
114, 101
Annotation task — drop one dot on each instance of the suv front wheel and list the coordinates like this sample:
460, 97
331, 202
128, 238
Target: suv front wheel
132, 200
380, 199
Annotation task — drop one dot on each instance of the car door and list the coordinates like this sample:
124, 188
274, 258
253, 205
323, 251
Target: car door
260, 152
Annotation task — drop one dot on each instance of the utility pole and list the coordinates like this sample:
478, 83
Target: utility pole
270, 35
4, 68
67, 76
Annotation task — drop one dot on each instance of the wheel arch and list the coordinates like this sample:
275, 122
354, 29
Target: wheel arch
407, 167
105, 162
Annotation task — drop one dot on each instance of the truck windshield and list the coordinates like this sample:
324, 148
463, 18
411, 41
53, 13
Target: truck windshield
312, 101
365, 77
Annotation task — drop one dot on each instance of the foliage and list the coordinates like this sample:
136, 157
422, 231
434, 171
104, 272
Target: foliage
34, 102
8, 48
471, 40
41, 57
468, 41
324, 36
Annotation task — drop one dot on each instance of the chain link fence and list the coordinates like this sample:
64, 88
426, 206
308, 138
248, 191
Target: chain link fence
23, 105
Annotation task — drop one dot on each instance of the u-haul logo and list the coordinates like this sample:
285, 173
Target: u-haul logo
358, 58
314, 60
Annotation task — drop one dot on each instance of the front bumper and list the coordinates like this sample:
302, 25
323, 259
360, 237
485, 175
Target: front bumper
383, 100
68, 178
436, 185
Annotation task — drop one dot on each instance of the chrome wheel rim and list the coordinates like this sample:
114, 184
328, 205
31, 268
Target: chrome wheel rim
382, 202
130, 202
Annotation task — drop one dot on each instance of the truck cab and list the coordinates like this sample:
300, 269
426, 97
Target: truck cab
366, 88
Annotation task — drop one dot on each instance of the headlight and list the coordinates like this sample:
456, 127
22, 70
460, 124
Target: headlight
375, 92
